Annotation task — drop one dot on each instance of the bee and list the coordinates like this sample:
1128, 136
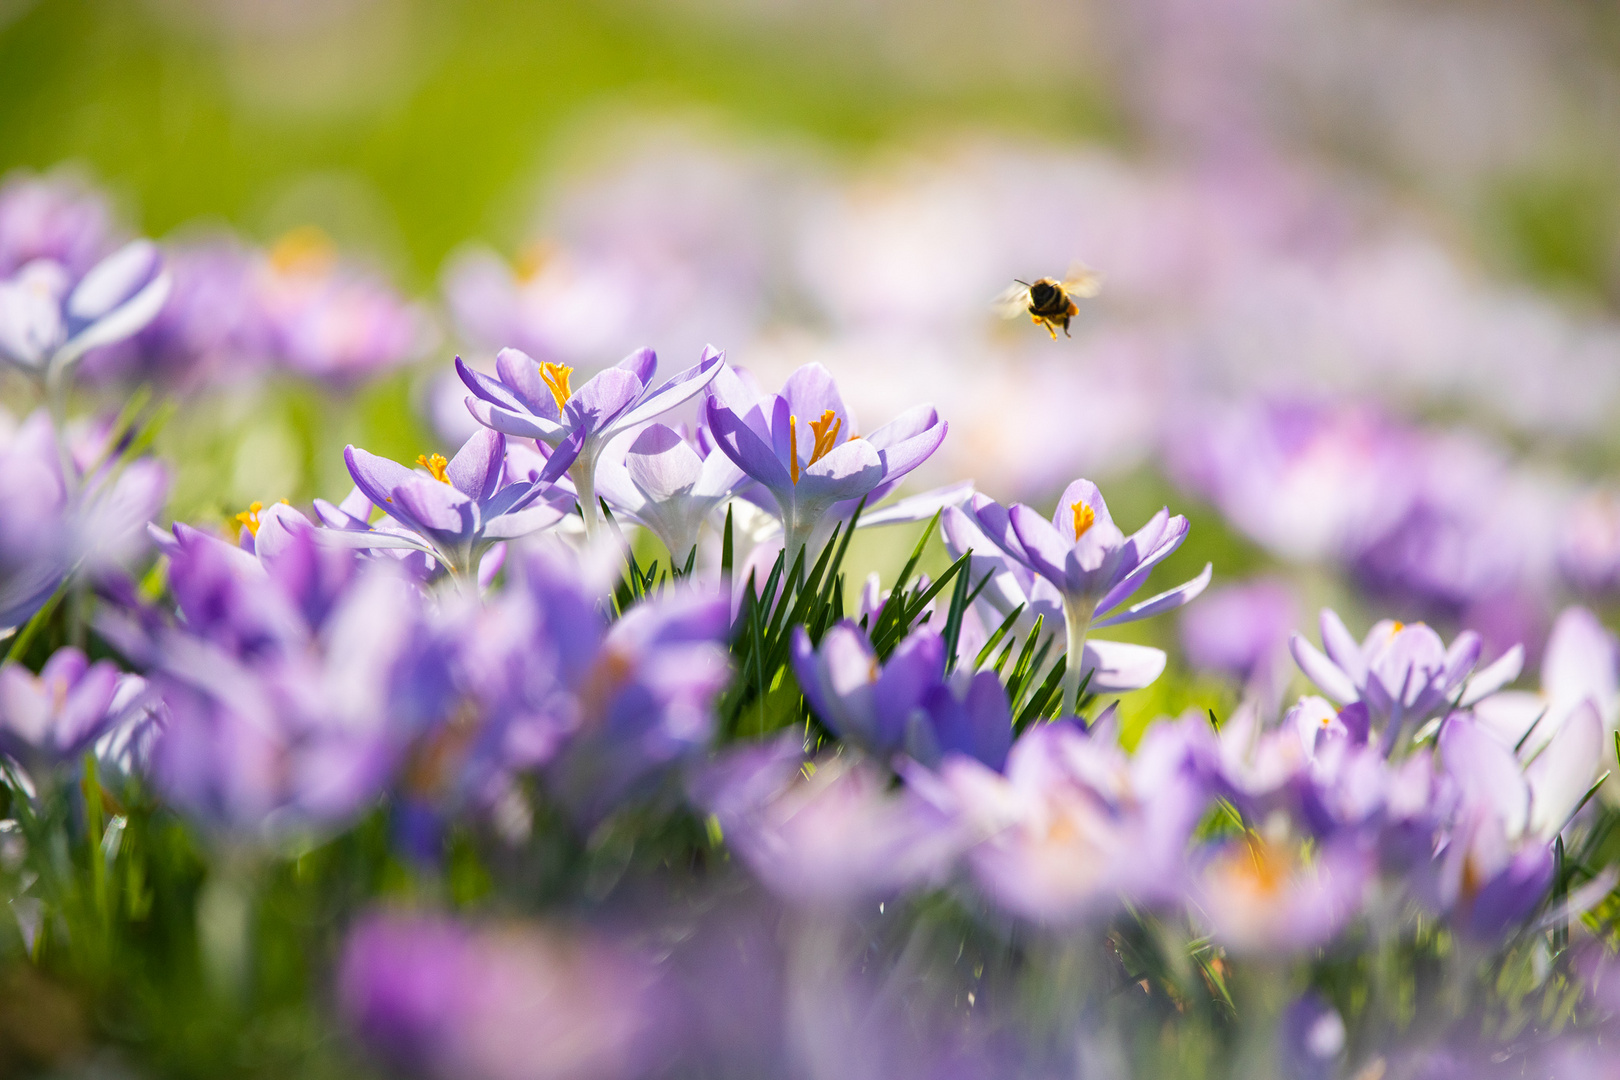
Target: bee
1049, 303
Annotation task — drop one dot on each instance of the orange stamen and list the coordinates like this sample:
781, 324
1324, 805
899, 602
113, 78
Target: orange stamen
826, 431
250, 517
435, 465
1084, 516
555, 376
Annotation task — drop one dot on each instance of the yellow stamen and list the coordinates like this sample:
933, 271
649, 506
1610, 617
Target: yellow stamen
434, 465
305, 250
250, 517
1397, 628
555, 376
793, 448
1084, 516
826, 431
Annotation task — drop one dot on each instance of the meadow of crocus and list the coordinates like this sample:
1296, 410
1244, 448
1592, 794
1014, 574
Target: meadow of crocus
661, 717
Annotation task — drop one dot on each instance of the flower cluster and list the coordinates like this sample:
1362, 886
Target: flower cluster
584, 749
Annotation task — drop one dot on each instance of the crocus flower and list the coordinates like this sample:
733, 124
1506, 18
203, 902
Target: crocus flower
56, 217
1267, 895
1498, 862
803, 448
1404, 674
48, 320
1581, 664
536, 401
829, 835
331, 320
1105, 667
664, 484
212, 327
1075, 826
906, 703
55, 522
54, 716
622, 703
288, 688
1094, 567
456, 509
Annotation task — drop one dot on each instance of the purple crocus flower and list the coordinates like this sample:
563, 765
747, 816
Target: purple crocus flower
54, 523
331, 320
49, 318
288, 687
831, 835
1581, 665
454, 510
54, 716
535, 401
1497, 864
603, 708
58, 217
1404, 674
907, 703
1106, 666
802, 446
1094, 567
1075, 826
212, 326
1262, 894
666, 485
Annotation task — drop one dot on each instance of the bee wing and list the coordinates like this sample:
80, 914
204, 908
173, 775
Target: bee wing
1082, 281
1013, 301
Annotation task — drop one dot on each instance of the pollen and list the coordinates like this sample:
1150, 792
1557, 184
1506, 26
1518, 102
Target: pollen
1084, 516
434, 464
250, 517
1397, 628
556, 376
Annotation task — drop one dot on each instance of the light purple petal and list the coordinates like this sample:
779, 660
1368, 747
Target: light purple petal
1170, 535
1343, 649
520, 373
641, 363
1328, 676
1165, 601
1043, 546
602, 399
1117, 667
902, 456
509, 422
682, 387
376, 476
1564, 770
848, 471
490, 390
439, 508
1503, 670
476, 469
744, 447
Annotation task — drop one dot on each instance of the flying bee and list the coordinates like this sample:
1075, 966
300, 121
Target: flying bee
1048, 302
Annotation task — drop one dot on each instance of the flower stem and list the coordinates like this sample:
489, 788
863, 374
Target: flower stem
1077, 612
583, 473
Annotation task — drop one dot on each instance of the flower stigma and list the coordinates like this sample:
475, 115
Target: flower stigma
435, 465
1084, 516
555, 376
